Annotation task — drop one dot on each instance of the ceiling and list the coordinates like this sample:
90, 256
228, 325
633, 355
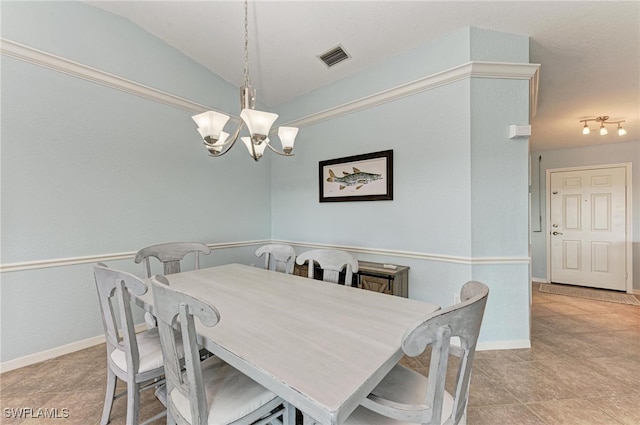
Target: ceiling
589, 51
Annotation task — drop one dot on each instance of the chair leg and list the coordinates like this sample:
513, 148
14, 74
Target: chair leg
133, 402
308, 420
109, 396
289, 416
170, 420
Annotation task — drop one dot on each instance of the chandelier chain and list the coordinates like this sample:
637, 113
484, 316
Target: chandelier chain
211, 123
246, 43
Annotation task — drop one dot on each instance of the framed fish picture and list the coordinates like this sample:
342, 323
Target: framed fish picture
367, 177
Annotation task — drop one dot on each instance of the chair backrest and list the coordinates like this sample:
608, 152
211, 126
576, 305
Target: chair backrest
177, 309
113, 290
280, 258
170, 254
331, 261
461, 320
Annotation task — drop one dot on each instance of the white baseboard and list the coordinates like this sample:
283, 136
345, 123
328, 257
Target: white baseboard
90, 342
539, 280
56, 352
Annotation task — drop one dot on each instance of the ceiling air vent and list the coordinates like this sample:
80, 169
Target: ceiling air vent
334, 56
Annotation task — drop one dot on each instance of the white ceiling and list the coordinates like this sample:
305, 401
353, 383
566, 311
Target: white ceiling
589, 51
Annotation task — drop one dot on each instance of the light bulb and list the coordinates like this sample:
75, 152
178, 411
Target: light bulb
603, 131
621, 131
585, 129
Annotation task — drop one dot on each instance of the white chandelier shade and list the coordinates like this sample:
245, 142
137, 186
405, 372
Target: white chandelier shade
211, 124
216, 148
259, 123
287, 137
255, 150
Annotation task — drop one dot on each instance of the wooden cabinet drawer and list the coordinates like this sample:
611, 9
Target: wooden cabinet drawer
376, 284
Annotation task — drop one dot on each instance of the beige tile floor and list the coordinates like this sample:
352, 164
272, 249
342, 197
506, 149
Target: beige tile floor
583, 368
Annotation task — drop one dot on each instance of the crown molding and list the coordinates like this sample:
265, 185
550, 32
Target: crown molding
75, 69
474, 69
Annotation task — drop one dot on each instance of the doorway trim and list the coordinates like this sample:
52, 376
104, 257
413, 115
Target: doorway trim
628, 221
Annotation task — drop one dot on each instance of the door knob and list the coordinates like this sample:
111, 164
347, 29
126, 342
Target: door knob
556, 233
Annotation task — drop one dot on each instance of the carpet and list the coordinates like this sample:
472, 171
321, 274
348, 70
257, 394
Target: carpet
590, 293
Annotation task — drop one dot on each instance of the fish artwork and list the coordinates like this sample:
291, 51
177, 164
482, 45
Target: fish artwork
357, 178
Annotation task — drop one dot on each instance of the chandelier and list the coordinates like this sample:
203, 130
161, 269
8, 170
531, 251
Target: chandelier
603, 130
211, 123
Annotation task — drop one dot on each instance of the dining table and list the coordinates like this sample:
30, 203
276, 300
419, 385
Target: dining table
321, 347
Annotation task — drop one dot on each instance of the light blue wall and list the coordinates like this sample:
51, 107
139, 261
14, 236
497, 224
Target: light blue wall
500, 204
451, 197
423, 162
609, 153
88, 170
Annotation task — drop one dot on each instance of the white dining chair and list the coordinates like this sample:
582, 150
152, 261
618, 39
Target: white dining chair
209, 392
280, 258
404, 396
332, 262
170, 255
134, 358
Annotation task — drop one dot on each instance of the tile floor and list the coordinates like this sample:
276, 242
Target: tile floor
583, 368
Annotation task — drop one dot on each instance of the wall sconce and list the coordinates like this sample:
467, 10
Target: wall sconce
603, 130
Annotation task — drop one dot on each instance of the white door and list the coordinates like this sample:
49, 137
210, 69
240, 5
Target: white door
588, 234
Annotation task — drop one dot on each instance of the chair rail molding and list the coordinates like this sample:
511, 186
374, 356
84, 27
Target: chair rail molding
473, 69
99, 258
412, 254
72, 261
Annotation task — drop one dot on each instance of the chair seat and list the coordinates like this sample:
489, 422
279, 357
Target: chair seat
230, 394
401, 385
149, 349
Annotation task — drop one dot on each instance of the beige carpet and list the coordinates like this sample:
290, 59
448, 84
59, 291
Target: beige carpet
590, 293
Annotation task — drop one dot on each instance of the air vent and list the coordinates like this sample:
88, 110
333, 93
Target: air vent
334, 56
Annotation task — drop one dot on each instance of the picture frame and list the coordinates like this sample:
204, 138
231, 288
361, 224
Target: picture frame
366, 177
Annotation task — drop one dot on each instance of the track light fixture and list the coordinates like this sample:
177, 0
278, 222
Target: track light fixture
603, 130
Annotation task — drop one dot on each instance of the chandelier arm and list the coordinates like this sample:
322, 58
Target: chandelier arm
606, 122
603, 122
253, 153
228, 145
279, 152
227, 149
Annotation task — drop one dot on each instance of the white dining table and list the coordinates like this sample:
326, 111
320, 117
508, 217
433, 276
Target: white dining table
320, 346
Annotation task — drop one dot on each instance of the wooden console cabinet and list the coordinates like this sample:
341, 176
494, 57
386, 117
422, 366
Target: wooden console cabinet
372, 277
375, 277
